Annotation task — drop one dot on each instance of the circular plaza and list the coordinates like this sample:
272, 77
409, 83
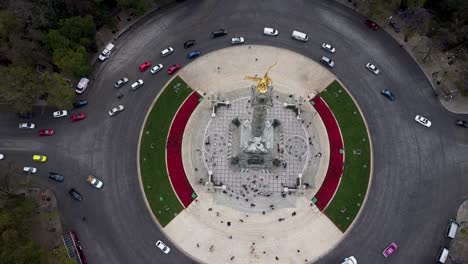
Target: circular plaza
247, 154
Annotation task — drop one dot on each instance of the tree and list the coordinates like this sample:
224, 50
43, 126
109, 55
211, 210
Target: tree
382, 9
139, 6
79, 30
8, 186
56, 41
72, 61
8, 23
15, 244
59, 92
20, 87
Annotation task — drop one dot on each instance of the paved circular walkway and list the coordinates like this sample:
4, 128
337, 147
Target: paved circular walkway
221, 227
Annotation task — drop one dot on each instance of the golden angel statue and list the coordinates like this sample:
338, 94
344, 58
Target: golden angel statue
262, 83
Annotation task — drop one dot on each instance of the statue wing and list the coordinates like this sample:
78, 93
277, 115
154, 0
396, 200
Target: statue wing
255, 79
269, 68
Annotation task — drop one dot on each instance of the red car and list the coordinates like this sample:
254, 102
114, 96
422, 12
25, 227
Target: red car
46, 132
372, 24
173, 68
78, 117
145, 65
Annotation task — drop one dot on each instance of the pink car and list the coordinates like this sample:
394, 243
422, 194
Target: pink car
390, 249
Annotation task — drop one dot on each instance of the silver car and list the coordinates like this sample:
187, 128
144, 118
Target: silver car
167, 51
163, 247
116, 110
30, 169
156, 68
423, 121
27, 125
60, 113
371, 67
137, 84
237, 40
327, 61
121, 82
328, 47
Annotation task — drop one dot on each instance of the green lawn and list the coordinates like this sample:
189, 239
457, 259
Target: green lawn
352, 189
158, 189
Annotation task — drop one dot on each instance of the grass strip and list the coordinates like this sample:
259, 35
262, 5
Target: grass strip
159, 193
353, 186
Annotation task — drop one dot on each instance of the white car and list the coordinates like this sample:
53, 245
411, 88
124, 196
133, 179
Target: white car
163, 247
82, 85
30, 169
349, 260
167, 51
237, 40
328, 47
2, 156
371, 67
121, 82
27, 125
156, 68
270, 31
94, 181
137, 84
116, 110
60, 113
327, 61
423, 121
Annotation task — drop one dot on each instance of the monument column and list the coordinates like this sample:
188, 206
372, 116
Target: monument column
261, 102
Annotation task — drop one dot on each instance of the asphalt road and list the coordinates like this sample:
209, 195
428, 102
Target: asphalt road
418, 178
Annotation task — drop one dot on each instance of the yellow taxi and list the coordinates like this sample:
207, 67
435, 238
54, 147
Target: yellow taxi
39, 158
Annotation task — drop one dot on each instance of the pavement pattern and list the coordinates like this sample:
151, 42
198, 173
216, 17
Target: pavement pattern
268, 223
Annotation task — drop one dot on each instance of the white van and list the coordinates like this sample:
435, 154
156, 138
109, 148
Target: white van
452, 228
299, 36
349, 260
82, 85
270, 31
442, 255
106, 52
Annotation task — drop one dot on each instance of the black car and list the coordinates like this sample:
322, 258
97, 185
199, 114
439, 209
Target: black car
218, 33
76, 195
80, 103
189, 43
462, 123
25, 115
56, 177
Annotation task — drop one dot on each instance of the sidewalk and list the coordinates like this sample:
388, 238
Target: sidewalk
438, 67
459, 245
